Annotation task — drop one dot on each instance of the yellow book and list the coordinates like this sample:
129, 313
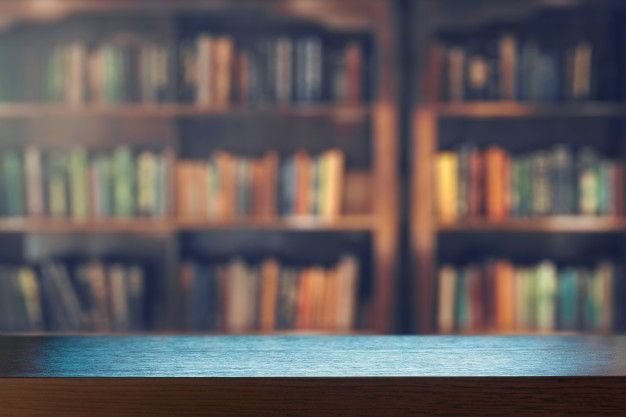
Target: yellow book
447, 186
333, 178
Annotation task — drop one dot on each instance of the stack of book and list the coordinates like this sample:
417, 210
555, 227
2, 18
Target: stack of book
554, 55
58, 297
240, 297
124, 69
496, 185
228, 186
217, 70
504, 297
75, 183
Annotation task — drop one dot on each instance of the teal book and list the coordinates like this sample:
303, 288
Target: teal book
462, 301
123, 182
13, 183
568, 299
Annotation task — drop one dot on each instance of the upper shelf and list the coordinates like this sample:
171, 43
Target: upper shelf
173, 110
513, 109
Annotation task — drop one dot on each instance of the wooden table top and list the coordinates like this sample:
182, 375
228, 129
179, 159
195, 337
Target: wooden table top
311, 356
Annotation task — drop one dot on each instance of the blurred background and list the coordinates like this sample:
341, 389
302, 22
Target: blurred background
312, 166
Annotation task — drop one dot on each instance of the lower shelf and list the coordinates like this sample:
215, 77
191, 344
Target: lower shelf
549, 224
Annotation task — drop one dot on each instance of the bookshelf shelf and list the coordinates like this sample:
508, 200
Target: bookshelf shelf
347, 223
556, 224
25, 225
149, 226
39, 110
512, 109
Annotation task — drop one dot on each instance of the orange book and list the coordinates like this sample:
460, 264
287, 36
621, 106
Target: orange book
497, 183
269, 289
223, 60
505, 295
303, 170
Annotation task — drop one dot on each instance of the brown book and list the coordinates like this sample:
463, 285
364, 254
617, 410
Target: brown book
34, 181
489, 295
474, 278
303, 320
183, 201
200, 189
508, 62
497, 183
475, 192
357, 197
432, 81
243, 77
303, 170
353, 59
269, 290
270, 180
456, 74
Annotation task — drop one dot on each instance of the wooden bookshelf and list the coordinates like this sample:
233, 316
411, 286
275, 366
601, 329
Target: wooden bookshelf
123, 123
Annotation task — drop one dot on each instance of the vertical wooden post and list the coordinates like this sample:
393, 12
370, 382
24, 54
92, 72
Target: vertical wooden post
423, 226
386, 208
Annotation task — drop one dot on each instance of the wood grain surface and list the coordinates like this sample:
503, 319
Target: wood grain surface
313, 397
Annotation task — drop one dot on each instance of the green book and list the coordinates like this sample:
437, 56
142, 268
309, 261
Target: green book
123, 178
546, 288
78, 182
13, 183
57, 179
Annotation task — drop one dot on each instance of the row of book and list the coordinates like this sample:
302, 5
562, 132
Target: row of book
554, 55
124, 70
492, 183
209, 70
231, 186
238, 296
56, 296
78, 184
217, 70
506, 297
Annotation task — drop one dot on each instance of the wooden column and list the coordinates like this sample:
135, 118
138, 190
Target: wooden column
423, 224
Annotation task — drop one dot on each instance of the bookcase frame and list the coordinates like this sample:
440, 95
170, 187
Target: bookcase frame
374, 16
